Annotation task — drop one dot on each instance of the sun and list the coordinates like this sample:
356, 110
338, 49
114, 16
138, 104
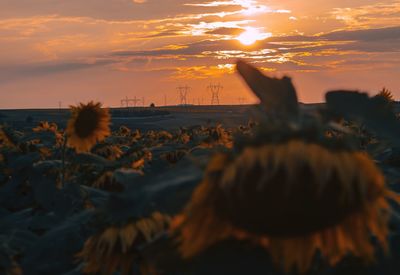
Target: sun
251, 35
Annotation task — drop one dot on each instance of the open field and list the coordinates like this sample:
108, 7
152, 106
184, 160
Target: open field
176, 117
56, 201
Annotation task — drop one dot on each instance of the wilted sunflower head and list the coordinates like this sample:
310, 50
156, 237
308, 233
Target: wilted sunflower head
88, 125
294, 191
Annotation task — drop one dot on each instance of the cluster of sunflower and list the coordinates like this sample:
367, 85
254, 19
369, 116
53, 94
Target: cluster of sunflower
50, 174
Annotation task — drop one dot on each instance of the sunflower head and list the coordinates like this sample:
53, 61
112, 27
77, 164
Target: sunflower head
107, 182
386, 94
5, 139
44, 126
88, 125
116, 248
294, 191
294, 198
124, 131
111, 152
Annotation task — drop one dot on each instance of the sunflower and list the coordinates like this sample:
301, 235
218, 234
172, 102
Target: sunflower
386, 94
5, 139
124, 131
44, 126
217, 136
111, 152
116, 248
107, 182
289, 188
88, 125
294, 198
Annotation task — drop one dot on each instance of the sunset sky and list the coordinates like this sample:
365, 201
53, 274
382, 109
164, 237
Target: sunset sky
78, 50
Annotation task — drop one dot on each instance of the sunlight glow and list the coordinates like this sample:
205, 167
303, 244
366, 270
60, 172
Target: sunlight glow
251, 35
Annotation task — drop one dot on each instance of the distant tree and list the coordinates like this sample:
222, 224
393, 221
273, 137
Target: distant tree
152, 105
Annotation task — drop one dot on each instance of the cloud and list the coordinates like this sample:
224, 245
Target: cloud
191, 39
226, 31
11, 73
381, 14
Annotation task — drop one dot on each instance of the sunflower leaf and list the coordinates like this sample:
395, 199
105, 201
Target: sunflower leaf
278, 96
89, 158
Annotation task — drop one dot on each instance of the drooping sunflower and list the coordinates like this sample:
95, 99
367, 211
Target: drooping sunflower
89, 124
294, 191
116, 247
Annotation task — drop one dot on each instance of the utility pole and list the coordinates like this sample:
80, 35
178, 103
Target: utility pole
215, 90
183, 91
165, 100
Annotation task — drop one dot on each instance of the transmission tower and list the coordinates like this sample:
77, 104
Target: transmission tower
128, 102
215, 90
183, 91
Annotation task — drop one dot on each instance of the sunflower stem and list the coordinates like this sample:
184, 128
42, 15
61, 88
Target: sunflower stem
63, 151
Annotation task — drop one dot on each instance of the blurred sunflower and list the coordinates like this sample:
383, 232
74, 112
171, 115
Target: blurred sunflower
13, 269
294, 198
88, 125
289, 188
116, 247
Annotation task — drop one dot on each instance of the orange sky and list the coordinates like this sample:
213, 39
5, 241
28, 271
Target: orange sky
74, 51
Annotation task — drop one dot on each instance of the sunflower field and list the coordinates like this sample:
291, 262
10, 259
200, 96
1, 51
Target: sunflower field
294, 191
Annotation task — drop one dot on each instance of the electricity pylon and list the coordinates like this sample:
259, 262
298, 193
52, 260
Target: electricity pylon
215, 90
183, 91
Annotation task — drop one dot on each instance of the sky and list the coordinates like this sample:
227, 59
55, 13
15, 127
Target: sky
69, 51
